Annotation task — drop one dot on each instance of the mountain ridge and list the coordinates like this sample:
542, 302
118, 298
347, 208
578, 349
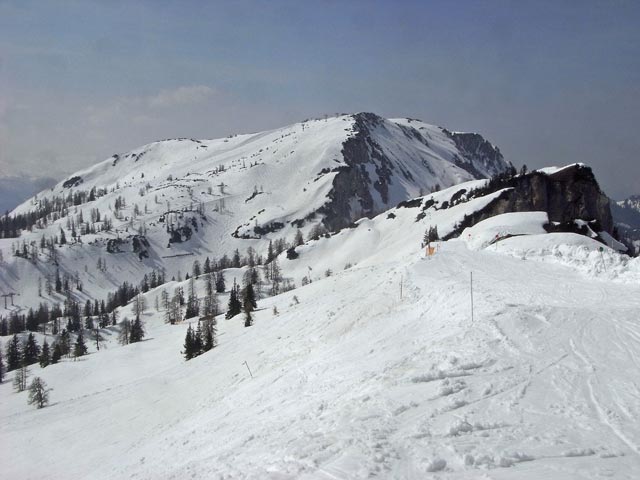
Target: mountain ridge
166, 203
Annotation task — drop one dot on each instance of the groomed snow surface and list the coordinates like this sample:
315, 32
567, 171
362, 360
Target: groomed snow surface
356, 381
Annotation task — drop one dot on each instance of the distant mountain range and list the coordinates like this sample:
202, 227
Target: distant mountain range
626, 214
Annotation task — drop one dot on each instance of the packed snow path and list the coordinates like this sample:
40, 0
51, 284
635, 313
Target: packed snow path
355, 382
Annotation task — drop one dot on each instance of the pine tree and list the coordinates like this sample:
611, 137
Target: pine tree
188, 344
14, 354
193, 307
137, 331
208, 334
65, 342
234, 306
249, 297
248, 304
80, 348
1, 367
196, 269
45, 354
38, 393
56, 355
299, 239
58, 281
270, 254
221, 286
236, 259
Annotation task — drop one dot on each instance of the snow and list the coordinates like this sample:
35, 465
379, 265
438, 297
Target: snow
376, 371
552, 170
357, 381
285, 165
493, 229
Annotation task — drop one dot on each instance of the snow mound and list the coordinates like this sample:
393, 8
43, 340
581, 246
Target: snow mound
494, 229
577, 251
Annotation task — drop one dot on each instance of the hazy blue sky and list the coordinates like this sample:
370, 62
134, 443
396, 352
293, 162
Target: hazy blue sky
548, 82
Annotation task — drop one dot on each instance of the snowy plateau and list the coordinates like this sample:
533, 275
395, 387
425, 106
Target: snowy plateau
506, 351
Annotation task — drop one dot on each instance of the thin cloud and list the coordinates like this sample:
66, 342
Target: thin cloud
185, 95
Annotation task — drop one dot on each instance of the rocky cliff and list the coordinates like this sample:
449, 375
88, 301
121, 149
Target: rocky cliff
566, 194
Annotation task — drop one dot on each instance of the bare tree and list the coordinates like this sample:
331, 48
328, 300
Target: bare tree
125, 331
38, 393
20, 379
139, 305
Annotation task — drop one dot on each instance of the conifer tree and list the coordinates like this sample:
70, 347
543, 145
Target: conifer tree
188, 351
14, 355
137, 331
65, 342
270, 253
45, 354
79, 348
249, 297
1, 367
234, 306
248, 304
208, 334
221, 286
193, 307
56, 354
236, 259
196, 269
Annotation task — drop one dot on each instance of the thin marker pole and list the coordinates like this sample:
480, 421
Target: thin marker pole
471, 297
247, 365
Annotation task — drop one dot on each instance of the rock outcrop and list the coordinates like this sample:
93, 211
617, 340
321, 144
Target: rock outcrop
364, 187
567, 194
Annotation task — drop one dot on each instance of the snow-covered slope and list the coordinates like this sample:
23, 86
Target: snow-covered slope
633, 202
376, 371
235, 193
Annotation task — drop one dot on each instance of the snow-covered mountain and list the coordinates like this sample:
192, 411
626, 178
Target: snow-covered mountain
377, 368
443, 324
170, 202
633, 203
626, 214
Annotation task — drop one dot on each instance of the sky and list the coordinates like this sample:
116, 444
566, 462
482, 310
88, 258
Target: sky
550, 83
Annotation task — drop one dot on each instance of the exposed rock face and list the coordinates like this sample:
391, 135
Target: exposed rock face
474, 148
566, 195
353, 181
370, 164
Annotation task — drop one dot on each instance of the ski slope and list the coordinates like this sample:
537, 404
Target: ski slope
355, 381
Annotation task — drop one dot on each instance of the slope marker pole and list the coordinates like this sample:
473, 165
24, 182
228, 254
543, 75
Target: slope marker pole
471, 297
